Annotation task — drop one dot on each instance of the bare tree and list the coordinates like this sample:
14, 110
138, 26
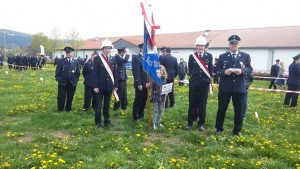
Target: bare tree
56, 41
75, 40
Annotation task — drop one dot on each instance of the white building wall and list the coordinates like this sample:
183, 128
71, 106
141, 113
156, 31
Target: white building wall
285, 55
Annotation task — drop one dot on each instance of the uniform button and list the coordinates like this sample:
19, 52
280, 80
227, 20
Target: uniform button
233, 80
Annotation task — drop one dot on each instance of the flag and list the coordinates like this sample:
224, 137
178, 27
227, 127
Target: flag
150, 61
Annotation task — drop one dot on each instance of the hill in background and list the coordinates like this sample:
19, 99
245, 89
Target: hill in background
14, 39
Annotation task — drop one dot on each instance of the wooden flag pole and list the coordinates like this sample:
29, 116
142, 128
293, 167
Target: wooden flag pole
148, 104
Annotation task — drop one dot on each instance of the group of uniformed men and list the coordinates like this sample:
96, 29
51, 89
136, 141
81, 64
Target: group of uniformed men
106, 75
22, 62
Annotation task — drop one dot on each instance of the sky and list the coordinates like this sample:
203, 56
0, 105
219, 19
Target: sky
107, 18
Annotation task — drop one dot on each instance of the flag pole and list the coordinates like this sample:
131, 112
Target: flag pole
148, 104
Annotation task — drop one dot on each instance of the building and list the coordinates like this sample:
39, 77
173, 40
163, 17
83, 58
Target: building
264, 45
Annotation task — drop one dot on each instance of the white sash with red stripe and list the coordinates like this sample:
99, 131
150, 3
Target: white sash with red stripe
203, 66
109, 70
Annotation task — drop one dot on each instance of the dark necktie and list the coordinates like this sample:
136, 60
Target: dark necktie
233, 56
69, 61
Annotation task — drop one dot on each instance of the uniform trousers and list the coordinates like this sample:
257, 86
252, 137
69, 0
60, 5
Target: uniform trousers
197, 104
237, 100
139, 103
170, 95
122, 93
106, 96
293, 96
89, 95
63, 92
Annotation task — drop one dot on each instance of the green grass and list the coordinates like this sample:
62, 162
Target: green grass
33, 134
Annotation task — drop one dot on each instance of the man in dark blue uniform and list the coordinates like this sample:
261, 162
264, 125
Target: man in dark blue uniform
10, 61
215, 72
122, 59
1, 61
274, 74
67, 75
105, 82
233, 66
200, 70
89, 93
140, 85
293, 82
34, 61
171, 65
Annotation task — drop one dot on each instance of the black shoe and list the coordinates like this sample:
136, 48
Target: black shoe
107, 124
218, 132
188, 127
201, 128
237, 134
99, 126
68, 110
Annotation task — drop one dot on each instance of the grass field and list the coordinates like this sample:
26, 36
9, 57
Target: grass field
33, 135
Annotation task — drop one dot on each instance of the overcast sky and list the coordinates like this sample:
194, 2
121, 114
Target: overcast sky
105, 18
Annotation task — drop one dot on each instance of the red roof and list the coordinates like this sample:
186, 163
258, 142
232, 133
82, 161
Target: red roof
279, 37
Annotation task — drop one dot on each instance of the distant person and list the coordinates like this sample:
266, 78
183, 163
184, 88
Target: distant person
10, 61
171, 65
280, 81
215, 72
158, 98
67, 75
274, 74
105, 82
200, 71
182, 71
232, 84
1, 61
140, 85
55, 61
34, 61
19, 62
293, 82
89, 94
121, 58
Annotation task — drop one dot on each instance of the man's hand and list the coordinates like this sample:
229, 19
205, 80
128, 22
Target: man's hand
238, 71
140, 87
228, 72
147, 84
96, 90
115, 89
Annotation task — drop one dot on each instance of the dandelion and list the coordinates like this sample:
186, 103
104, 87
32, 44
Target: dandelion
138, 135
6, 164
258, 163
61, 160
202, 143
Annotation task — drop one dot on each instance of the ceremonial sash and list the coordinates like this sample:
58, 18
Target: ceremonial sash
109, 70
203, 66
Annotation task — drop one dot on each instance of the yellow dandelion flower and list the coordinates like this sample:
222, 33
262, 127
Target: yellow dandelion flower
138, 135
202, 143
6, 164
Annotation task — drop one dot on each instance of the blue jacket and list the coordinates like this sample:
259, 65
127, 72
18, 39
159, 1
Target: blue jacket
171, 65
87, 73
66, 72
294, 74
101, 77
197, 75
121, 62
233, 83
274, 70
139, 75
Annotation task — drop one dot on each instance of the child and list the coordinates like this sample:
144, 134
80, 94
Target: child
158, 99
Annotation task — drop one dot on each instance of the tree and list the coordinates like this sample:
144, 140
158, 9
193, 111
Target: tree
75, 40
55, 41
37, 40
